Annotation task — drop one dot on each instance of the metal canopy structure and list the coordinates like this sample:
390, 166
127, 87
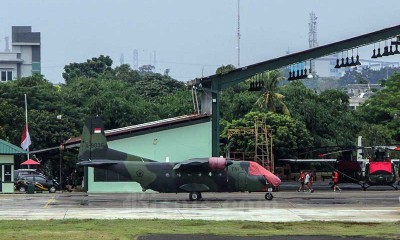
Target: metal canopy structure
215, 83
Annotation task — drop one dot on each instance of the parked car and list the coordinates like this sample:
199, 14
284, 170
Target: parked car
40, 182
20, 172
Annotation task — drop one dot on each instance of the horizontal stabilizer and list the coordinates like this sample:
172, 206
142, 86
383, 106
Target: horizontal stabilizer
97, 163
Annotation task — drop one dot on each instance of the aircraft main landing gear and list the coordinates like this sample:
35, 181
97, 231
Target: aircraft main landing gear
195, 196
269, 196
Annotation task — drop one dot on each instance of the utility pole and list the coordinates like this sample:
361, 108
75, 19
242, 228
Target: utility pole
238, 35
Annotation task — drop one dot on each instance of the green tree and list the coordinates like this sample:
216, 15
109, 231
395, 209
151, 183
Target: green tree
125, 73
155, 85
92, 68
271, 100
225, 69
327, 116
288, 134
383, 108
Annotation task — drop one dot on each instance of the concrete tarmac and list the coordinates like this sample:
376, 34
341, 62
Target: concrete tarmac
353, 204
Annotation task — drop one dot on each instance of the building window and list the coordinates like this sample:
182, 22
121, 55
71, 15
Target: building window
3, 76
6, 76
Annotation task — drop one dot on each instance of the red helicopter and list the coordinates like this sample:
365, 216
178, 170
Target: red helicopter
380, 169
376, 169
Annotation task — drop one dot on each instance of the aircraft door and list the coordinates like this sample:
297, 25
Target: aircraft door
242, 181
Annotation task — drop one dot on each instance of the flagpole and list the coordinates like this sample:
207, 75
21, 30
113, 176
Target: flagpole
26, 119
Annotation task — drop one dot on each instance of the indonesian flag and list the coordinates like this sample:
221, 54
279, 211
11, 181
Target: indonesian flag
97, 130
26, 139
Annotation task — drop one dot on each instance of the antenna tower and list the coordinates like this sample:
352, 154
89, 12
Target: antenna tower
121, 59
135, 60
312, 34
238, 34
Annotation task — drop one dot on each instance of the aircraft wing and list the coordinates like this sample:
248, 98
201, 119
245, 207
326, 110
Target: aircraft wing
193, 164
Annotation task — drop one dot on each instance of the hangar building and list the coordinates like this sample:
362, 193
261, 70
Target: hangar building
173, 139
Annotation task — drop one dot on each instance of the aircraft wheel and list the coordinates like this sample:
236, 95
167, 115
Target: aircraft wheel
194, 196
269, 196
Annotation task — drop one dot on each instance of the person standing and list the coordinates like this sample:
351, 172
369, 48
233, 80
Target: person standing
311, 182
335, 180
307, 182
301, 180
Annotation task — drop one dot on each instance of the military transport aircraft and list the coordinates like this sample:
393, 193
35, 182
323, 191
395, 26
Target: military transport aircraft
197, 175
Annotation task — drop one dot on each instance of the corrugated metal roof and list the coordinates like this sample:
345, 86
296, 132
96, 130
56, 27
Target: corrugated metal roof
7, 148
141, 127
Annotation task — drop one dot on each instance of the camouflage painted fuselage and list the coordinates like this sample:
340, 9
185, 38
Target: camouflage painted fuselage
192, 175
161, 177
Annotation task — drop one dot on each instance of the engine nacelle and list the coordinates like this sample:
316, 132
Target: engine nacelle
217, 163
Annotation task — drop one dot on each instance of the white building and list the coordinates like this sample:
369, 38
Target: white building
24, 58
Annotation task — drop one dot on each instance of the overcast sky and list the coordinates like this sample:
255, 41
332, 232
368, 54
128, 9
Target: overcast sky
187, 36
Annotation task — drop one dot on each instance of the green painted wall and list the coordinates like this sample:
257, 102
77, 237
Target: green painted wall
7, 159
177, 144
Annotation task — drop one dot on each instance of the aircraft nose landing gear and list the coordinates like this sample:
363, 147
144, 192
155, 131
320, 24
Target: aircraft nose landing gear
269, 196
195, 196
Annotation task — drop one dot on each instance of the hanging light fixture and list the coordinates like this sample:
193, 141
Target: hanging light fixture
374, 51
385, 50
396, 43
357, 59
391, 50
290, 74
352, 64
337, 63
379, 51
347, 64
309, 74
305, 70
397, 50
342, 64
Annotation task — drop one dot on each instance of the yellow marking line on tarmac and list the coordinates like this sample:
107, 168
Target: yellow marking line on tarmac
50, 201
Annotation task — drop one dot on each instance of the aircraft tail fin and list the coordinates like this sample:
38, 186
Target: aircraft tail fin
94, 143
94, 146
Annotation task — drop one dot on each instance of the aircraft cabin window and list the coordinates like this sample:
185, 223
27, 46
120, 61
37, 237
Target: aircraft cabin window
199, 174
210, 174
167, 174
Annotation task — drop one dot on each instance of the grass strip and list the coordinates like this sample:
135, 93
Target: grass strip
130, 229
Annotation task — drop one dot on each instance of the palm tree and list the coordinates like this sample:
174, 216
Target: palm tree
270, 99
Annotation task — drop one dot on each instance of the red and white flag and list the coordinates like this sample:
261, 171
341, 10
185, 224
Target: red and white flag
26, 139
97, 130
